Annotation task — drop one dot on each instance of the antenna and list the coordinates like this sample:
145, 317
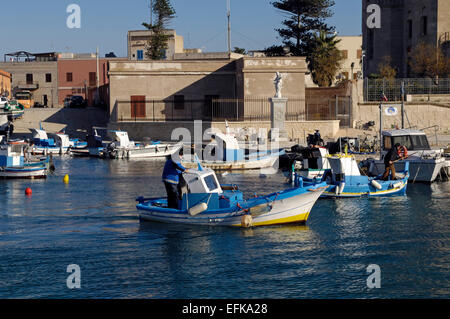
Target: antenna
229, 28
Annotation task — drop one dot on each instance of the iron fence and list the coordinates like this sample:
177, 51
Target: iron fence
211, 109
392, 88
323, 109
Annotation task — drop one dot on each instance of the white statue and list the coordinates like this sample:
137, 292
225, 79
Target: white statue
278, 84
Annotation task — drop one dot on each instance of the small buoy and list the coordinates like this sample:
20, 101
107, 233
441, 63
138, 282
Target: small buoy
66, 179
247, 221
28, 191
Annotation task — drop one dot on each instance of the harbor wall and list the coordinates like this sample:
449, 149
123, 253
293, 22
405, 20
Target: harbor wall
76, 122
417, 116
297, 130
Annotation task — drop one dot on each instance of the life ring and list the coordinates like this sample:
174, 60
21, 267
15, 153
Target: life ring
402, 151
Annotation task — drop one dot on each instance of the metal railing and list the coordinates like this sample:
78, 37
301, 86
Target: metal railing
392, 88
249, 109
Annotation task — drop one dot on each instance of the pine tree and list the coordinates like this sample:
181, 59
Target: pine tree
303, 19
158, 42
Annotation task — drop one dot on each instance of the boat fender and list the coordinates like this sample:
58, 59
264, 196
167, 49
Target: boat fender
375, 184
397, 185
340, 188
247, 221
197, 209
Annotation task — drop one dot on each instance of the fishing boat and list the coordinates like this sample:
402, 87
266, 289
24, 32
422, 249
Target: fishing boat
315, 162
225, 153
59, 144
13, 164
206, 202
122, 147
425, 164
345, 180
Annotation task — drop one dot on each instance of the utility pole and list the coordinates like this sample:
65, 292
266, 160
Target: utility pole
229, 28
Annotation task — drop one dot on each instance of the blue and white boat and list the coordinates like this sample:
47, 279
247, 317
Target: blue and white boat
58, 144
345, 180
206, 202
225, 153
123, 147
13, 164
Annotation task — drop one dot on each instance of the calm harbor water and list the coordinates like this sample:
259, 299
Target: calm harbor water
92, 222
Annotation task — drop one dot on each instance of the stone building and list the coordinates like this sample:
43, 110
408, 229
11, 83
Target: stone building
151, 98
37, 74
351, 49
138, 42
404, 24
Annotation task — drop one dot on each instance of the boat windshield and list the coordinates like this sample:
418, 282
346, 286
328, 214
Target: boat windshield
211, 182
412, 142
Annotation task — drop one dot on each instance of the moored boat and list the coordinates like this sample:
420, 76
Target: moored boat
425, 163
13, 164
345, 180
59, 144
206, 202
122, 147
225, 153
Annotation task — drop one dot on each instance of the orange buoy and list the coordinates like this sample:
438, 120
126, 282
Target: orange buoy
28, 191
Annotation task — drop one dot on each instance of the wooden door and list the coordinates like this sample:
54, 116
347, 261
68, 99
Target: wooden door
138, 106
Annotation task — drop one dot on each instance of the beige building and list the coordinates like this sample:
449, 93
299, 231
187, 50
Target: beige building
404, 24
138, 42
351, 49
5, 83
38, 76
187, 89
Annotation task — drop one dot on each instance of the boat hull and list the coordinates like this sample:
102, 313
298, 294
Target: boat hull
419, 171
294, 208
358, 191
32, 172
256, 163
152, 151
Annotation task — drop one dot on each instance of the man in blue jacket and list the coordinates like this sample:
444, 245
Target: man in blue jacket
172, 175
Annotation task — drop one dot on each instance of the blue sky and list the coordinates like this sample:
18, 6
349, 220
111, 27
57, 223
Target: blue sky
40, 26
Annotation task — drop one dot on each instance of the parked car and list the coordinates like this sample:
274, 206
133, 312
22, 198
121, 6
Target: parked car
77, 101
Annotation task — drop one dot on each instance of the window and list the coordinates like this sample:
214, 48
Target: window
420, 142
29, 78
178, 102
138, 106
140, 54
210, 182
410, 29
48, 77
345, 74
344, 54
359, 54
208, 106
69, 77
424, 25
92, 78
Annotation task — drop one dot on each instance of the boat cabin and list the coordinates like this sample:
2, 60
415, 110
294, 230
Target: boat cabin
41, 138
11, 155
345, 169
203, 188
122, 139
413, 140
227, 148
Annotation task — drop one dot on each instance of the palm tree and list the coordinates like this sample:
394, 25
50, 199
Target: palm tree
325, 58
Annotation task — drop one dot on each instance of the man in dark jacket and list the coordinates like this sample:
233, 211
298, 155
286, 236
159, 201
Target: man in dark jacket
172, 175
389, 159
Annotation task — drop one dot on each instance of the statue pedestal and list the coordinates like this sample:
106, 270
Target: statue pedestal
277, 119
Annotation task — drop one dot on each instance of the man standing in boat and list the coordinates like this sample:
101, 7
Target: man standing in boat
172, 178
390, 158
